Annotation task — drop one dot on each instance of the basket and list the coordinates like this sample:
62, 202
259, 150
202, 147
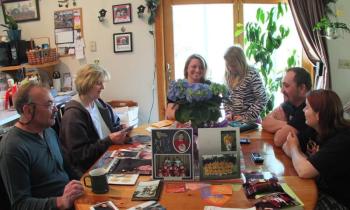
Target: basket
41, 56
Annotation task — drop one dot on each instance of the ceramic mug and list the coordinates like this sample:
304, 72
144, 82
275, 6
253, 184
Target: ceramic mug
98, 180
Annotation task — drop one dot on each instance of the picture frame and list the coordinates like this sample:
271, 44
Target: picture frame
172, 154
122, 13
122, 42
21, 10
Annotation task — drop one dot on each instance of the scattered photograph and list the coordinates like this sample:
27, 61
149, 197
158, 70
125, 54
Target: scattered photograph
133, 166
122, 179
228, 141
125, 154
147, 190
107, 205
173, 166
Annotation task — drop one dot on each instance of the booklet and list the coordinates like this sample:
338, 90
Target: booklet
147, 190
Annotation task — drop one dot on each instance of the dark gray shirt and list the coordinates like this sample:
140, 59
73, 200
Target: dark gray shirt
32, 169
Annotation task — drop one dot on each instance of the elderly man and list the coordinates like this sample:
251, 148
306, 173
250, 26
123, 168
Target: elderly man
289, 116
31, 165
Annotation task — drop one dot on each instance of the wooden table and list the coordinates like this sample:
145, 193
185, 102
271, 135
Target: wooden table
275, 161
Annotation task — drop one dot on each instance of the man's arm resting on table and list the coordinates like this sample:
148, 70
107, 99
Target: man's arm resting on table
281, 135
274, 121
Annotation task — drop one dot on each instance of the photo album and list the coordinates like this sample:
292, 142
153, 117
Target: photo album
172, 151
219, 152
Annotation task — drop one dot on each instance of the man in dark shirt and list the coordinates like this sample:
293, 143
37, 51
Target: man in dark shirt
31, 165
289, 116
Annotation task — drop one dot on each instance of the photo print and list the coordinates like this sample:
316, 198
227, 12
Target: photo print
219, 166
173, 166
181, 141
228, 141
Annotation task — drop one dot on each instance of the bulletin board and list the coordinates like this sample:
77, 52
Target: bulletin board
69, 32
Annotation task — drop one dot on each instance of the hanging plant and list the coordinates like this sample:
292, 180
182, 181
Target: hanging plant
152, 6
328, 27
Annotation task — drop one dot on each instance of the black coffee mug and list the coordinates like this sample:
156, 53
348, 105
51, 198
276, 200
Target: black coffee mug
98, 180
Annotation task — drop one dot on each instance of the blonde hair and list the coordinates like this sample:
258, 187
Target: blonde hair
234, 56
88, 76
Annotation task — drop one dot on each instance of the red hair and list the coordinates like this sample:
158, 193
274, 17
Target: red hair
330, 110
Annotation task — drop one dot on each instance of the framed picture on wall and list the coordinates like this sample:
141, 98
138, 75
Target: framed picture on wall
122, 13
122, 42
21, 10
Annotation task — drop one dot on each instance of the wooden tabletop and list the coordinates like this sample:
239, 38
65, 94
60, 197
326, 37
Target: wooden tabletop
275, 161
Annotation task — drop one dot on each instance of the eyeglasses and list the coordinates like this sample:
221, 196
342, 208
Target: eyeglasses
49, 105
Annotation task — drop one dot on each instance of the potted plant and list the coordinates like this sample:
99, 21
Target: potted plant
262, 39
13, 32
330, 29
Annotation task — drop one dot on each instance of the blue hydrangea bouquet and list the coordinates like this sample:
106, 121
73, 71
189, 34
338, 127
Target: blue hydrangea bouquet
199, 103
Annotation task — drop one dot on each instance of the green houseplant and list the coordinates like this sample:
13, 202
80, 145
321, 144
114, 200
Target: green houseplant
261, 46
330, 28
12, 28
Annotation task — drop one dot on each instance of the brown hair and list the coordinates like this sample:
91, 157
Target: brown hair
88, 76
330, 110
204, 65
301, 77
23, 97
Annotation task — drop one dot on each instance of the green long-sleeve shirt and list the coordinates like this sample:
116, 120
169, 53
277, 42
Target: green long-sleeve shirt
32, 169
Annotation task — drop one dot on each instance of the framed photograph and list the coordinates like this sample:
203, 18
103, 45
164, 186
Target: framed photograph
21, 10
122, 42
122, 13
172, 152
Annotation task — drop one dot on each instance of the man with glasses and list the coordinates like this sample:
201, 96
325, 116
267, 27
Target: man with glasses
31, 165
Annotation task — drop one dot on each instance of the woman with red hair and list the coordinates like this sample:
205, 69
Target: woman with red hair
328, 159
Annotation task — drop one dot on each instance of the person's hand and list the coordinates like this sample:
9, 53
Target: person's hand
72, 191
231, 117
118, 137
291, 143
279, 114
170, 111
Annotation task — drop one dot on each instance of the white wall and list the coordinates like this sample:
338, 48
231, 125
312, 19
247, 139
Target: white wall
340, 49
132, 73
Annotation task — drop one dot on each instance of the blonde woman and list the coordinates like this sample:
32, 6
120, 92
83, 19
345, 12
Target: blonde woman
89, 125
247, 96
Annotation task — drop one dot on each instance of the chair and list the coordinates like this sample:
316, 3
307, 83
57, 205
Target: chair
121, 103
58, 118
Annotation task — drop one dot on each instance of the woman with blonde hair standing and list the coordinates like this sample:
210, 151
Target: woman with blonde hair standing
247, 95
